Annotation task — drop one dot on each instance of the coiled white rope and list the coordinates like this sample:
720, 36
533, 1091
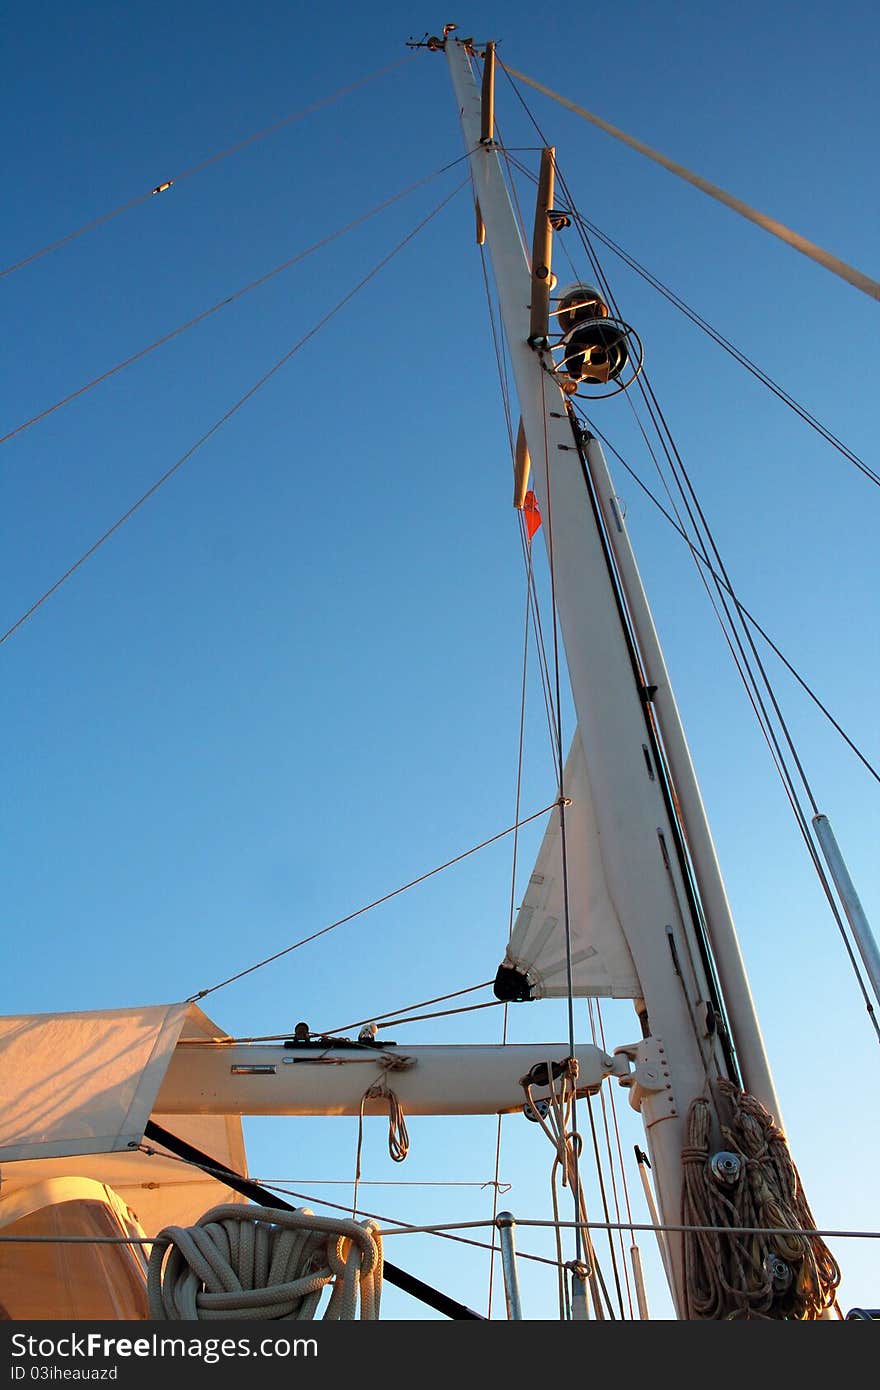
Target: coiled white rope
255, 1262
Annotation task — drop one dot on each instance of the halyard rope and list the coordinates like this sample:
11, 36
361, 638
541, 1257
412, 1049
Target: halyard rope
253, 1262
731, 1276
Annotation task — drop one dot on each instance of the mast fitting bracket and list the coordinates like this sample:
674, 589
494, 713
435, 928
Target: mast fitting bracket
649, 1083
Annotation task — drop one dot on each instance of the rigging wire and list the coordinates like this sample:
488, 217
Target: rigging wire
749, 617
778, 758
333, 1032
717, 336
797, 242
399, 1227
169, 473
736, 353
379, 1018
443, 1013
677, 468
203, 164
513, 867
566, 913
223, 303
732, 634
680, 528
611, 1172
386, 897
383, 1182
620, 1161
604, 1199
498, 342
328, 1039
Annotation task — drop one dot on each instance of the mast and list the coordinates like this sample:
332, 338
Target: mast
616, 674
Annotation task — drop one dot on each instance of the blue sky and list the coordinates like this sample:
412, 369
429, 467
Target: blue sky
291, 682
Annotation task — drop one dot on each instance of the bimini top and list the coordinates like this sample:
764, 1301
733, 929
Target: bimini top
76, 1093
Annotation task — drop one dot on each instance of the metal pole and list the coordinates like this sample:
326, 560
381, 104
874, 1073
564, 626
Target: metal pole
635, 1255
644, 1165
855, 914
505, 1223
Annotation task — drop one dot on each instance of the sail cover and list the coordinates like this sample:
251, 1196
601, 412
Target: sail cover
76, 1092
81, 1083
600, 958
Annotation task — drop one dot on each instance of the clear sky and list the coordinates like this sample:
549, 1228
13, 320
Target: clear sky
290, 683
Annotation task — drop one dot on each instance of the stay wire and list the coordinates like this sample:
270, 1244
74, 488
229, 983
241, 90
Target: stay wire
605, 1208
702, 528
390, 1015
223, 303
605, 1104
703, 531
562, 827
513, 867
742, 665
400, 1227
736, 353
498, 341
169, 473
766, 727
749, 616
166, 184
377, 902
610, 1155
777, 756
732, 634
717, 336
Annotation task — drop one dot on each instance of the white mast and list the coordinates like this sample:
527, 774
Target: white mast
680, 1054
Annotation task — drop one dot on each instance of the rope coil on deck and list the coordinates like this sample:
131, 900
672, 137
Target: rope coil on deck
732, 1276
260, 1263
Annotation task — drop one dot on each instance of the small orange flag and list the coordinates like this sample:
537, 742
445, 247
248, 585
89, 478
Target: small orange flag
532, 514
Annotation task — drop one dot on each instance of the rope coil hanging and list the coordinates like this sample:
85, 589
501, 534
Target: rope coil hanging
260, 1263
790, 1277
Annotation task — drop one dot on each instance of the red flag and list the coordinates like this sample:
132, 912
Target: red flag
532, 514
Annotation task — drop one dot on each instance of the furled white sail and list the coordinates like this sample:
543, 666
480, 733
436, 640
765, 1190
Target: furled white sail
600, 958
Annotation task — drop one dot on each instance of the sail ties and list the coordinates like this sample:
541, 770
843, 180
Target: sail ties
755, 1185
260, 1263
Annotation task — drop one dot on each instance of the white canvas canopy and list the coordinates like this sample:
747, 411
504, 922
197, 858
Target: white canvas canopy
601, 962
76, 1092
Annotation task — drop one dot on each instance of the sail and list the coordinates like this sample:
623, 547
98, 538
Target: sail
601, 962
